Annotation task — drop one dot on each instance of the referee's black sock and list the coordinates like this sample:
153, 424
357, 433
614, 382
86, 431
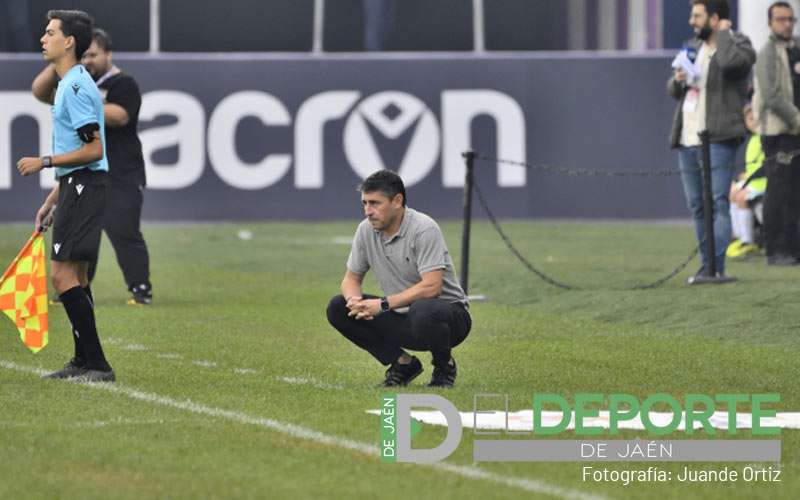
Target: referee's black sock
80, 310
80, 357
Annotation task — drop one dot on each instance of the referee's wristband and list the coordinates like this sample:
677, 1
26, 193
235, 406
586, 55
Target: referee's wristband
47, 161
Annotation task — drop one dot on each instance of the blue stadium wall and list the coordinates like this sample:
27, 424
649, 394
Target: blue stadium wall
235, 137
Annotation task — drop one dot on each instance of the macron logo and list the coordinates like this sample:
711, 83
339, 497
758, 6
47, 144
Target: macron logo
76, 88
79, 189
56, 247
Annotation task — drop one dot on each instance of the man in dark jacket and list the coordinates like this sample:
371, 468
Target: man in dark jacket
711, 100
777, 105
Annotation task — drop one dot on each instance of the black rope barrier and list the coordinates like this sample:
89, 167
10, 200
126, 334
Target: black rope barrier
579, 172
470, 184
552, 281
781, 157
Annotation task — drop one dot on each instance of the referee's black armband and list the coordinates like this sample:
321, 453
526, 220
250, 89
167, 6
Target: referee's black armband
86, 133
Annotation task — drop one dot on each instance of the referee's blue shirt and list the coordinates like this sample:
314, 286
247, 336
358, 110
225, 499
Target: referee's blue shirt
77, 103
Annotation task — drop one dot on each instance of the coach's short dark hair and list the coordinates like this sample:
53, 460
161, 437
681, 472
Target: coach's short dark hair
77, 24
786, 5
385, 181
719, 7
102, 38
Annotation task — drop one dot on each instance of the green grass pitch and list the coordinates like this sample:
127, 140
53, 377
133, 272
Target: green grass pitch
233, 385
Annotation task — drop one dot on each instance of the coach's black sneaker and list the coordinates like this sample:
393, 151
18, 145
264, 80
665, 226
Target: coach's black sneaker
97, 376
400, 375
142, 295
72, 369
444, 376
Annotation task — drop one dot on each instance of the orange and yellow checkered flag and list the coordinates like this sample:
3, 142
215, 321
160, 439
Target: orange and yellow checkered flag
23, 293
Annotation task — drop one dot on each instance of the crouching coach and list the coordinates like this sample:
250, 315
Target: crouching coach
423, 307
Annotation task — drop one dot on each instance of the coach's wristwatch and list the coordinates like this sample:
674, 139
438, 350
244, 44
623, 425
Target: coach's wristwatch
385, 305
47, 161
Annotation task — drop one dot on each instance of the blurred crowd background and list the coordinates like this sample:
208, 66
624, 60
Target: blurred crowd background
379, 25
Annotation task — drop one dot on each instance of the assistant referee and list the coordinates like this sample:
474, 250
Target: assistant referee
121, 220
78, 199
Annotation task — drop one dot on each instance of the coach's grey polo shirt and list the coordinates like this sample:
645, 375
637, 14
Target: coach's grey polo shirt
418, 247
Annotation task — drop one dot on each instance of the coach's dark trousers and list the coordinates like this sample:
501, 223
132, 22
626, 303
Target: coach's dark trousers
121, 224
782, 199
433, 325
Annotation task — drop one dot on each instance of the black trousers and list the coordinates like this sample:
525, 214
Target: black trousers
782, 199
433, 325
121, 223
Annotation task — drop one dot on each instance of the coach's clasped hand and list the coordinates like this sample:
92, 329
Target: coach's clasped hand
363, 309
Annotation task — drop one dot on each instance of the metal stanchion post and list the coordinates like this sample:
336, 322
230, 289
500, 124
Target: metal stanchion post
711, 275
469, 180
708, 206
469, 160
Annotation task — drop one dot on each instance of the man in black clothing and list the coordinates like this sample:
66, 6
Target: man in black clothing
777, 107
121, 220
126, 168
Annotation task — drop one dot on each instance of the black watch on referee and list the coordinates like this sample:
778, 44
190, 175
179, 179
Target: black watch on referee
385, 305
47, 161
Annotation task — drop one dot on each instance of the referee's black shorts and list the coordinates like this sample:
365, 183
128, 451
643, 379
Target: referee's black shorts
79, 216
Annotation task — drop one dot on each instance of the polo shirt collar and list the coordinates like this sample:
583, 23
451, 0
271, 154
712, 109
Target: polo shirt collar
403, 226
406, 222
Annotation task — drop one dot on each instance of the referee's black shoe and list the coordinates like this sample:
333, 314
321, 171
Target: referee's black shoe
73, 368
444, 376
93, 376
400, 375
142, 295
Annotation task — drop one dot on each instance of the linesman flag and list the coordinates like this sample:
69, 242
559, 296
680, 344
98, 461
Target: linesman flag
23, 293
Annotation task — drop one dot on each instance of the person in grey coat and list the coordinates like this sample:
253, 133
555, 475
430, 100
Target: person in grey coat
712, 100
776, 102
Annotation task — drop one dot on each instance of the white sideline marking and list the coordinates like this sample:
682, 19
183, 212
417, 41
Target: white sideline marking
523, 420
297, 431
309, 381
204, 364
169, 355
245, 371
135, 347
126, 421
93, 423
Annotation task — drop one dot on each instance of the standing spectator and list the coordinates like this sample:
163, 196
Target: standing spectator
777, 99
121, 220
712, 99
